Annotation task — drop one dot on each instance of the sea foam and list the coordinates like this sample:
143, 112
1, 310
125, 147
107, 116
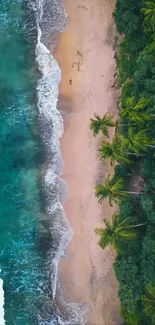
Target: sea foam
2, 321
51, 123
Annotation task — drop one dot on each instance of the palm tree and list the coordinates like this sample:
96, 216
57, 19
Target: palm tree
149, 14
113, 190
116, 232
135, 142
113, 151
149, 302
133, 318
133, 110
101, 124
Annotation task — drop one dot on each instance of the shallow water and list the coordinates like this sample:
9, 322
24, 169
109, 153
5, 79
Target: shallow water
21, 261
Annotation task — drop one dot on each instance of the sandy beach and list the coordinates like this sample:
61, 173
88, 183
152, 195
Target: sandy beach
86, 57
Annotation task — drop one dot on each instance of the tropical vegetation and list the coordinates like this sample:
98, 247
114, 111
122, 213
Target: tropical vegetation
113, 151
98, 124
149, 303
117, 232
132, 153
134, 111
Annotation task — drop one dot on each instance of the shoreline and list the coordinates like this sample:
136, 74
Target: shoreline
86, 88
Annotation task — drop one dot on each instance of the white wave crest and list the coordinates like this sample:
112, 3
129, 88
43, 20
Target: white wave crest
47, 92
48, 87
2, 321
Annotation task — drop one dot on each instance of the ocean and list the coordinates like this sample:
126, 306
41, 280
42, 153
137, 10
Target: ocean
34, 230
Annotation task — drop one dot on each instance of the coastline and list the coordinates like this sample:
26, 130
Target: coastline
86, 58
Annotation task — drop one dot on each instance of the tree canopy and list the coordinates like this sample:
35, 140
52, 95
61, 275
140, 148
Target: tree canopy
116, 232
101, 124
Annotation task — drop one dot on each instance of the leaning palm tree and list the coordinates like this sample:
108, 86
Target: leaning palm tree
149, 303
110, 190
117, 232
114, 190
113, 151
136, 142
101, 124
149, 14
134, 111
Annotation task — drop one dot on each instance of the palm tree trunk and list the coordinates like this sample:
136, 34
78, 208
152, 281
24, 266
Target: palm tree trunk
151, 146
119, 124
133, 154
140, 225
136, 193
127, 124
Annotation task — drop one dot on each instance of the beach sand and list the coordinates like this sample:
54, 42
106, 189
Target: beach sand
86, 57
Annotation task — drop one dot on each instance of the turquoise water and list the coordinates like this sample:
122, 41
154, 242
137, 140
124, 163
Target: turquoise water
34, 230
21, 262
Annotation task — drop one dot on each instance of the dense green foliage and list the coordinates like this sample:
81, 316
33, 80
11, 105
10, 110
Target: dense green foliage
135, 267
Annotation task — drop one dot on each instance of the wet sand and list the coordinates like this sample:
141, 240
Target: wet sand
86, 57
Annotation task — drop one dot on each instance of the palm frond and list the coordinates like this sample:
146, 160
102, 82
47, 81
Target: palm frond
118, 186
124, 223
105, 239
150, 292
101, 192
142, 103
149, 14
102, 124
130, 102
115, 219
107, 223
116, 232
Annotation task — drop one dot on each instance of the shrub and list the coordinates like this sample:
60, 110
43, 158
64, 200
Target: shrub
127, 272
131, 18
147, 258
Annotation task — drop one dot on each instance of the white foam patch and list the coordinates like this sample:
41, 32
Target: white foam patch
2, 321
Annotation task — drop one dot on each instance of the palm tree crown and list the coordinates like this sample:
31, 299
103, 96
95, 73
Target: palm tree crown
135, 142
113, 151
101, 124
112, 190
149, 303
149, 14
116, 232
133, 110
